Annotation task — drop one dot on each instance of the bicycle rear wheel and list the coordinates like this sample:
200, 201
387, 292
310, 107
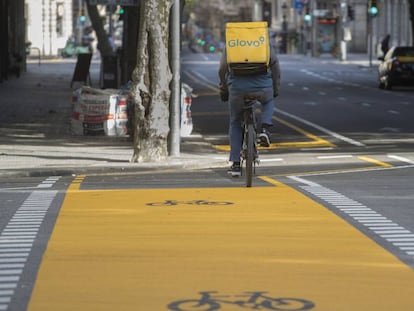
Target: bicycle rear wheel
251, 136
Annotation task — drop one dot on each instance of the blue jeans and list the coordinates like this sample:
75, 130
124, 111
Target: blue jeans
236, 103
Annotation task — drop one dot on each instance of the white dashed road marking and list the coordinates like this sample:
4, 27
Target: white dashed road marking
17, 238
380, 225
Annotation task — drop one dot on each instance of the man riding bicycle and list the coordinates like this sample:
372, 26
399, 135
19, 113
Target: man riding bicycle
233, 88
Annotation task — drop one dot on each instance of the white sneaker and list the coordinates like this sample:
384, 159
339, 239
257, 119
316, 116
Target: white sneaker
264, 138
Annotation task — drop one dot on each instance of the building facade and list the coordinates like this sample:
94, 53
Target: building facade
350, 21
49, 23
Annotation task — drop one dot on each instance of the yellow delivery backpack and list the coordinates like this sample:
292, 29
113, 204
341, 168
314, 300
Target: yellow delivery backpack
247, 48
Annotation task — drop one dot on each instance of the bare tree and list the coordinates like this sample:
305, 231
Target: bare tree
151, 83
103, 43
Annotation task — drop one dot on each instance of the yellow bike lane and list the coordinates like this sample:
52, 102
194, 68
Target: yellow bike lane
151, 249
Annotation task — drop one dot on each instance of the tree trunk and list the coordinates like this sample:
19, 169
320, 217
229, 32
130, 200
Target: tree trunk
151, 83
103, 43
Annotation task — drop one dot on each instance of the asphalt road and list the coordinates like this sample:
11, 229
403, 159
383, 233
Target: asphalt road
328, 224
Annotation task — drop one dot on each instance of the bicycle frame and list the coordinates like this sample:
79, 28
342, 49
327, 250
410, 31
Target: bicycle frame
249, 151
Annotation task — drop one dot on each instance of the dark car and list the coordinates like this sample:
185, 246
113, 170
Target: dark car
396, 68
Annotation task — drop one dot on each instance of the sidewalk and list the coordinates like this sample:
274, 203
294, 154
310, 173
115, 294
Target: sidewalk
35, 138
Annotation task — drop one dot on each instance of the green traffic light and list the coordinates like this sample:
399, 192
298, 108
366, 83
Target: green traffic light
373, 10
82, 18
212, 48
307, 18
121, 11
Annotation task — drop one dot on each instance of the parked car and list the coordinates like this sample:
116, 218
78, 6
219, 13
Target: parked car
396, 67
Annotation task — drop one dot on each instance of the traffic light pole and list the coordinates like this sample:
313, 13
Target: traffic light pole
312, 7
370, 20
174, 144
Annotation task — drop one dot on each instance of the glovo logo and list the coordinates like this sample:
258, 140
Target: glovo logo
246, 43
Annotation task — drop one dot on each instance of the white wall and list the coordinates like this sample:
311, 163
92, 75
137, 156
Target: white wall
41, 25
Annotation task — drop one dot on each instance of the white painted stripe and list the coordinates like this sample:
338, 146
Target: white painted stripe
11, 272
404, 243
334, 157
44, 186
304, 181
387, 228
271, 160
353, 209
54, 178
25, 234
384, 225
377, 223
391, 231
370, 217
399, 158
14, 255
355, 215
16, 240
6, 260
374, 221
322, 129
5, 299
13, 221
398, 235
17, 245
23, 227
35, 216
19, 230
400, 239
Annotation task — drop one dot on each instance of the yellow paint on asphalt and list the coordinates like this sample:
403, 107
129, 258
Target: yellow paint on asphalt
77, 181
314, 141
125, 250
372, 160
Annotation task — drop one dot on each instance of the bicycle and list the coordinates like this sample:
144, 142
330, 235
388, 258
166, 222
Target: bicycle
194, 202
210, 301
249, 151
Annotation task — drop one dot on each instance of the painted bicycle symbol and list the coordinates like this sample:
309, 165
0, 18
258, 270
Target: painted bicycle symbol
194, 202
209, 301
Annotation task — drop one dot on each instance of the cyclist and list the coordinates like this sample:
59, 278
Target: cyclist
233, 89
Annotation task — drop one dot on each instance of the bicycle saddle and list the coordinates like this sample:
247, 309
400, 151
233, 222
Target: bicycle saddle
251, 97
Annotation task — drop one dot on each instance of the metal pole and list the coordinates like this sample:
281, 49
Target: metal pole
258, 10
370, 38
342, 20
314, 25
174, 145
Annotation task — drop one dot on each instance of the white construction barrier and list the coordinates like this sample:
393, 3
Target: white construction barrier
186, 119
98, 112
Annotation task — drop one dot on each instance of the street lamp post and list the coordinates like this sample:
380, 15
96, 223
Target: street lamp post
284, 28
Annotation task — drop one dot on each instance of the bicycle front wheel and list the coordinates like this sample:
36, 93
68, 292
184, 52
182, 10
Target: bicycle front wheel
251, 136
